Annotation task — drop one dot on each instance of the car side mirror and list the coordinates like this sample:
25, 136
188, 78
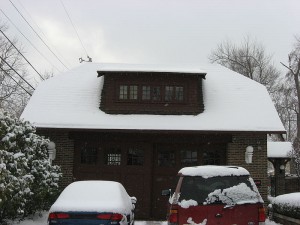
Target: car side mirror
166, 192
133, 200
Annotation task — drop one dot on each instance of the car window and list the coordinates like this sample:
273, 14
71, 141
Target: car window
225, 190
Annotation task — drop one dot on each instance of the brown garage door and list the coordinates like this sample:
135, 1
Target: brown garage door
129, 164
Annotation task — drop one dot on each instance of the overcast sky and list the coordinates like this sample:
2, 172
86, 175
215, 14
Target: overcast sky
152, 31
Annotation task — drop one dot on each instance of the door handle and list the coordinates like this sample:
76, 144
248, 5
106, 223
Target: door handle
218, 215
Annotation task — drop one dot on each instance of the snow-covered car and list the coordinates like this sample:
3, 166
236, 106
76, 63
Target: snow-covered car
210, 195
93, 203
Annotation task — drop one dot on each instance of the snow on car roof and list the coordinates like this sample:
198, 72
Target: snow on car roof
213, 171
93, 196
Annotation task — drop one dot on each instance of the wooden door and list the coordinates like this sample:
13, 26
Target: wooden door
165, 169
169, 159
124, 162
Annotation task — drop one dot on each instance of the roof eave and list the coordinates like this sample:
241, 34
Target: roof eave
163, 130
106, 72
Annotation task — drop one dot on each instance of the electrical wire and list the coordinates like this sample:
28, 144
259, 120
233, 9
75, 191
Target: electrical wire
41, 31
74, 27
21, 54
38, 35
15, 81
30, 42
16, 72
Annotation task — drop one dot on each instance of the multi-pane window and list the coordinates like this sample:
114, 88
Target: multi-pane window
169, 93
135, 157
179, 93
113, 156
188, 157
151, 93
133, 92
146, 93
211, 158
156, 94
166, 158
128, 92
123, 94
88, 154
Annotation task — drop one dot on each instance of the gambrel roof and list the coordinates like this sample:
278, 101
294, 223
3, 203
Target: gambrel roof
232, 103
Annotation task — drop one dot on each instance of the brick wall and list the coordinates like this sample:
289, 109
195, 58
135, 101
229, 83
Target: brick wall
235, 155
258, 167
64, 152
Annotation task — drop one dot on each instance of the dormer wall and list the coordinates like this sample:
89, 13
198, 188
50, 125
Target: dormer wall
152, 93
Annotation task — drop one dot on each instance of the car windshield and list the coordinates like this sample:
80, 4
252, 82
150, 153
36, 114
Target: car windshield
229, 190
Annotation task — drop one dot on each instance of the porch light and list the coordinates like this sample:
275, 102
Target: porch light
249, 154
51, 151
282, 168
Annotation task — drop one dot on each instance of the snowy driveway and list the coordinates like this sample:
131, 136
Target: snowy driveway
43, 221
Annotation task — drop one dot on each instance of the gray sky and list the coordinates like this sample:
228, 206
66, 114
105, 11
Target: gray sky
150, 31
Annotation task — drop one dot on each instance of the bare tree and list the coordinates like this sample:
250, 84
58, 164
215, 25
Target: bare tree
293, 67
14, 91
248, 59
293, 74
286, 105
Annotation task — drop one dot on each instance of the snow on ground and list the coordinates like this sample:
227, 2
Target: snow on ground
42, 220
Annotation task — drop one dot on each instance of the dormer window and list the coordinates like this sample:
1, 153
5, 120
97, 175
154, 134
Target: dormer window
179, 94
146, 95
174, 93
168, 93
128, 92
133, 92
161, 93
156, 96
123, 92
151, 93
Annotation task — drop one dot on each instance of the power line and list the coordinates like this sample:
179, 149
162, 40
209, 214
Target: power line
38, 35
22, 54
41, 31
30, 42
16, 72
15, 81
90, 59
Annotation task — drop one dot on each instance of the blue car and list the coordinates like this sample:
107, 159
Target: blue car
93, 203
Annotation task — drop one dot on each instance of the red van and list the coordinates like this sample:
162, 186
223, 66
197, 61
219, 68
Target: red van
212, 195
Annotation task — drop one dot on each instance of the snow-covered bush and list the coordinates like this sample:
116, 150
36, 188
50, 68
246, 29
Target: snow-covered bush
28, 182
287, 204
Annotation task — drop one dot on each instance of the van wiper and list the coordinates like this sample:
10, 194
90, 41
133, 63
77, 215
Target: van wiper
221, 198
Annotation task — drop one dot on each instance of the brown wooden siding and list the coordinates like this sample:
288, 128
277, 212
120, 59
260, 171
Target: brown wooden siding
192, 103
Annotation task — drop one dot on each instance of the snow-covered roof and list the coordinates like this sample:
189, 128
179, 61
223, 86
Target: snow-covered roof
232, 103
279, 149
213, 171
167, 68
93, 196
